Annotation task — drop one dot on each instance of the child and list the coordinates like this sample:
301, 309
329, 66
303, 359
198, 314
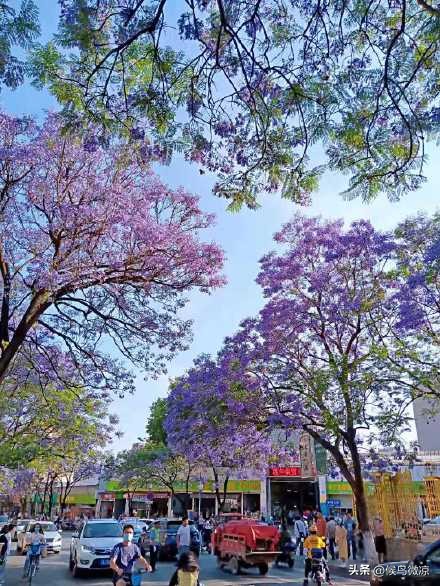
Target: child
187, 573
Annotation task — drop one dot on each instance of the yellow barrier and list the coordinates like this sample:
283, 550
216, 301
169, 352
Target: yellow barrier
432, 498
395, 500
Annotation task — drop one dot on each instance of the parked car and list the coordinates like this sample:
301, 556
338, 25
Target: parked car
138, 526
92, 546
431, 528
51, 533
68, 525
433, 521
424, 570
19, 528
3, 520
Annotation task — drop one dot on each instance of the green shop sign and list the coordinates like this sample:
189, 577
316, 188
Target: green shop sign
338, 487
341, 487
81, 499
246, 486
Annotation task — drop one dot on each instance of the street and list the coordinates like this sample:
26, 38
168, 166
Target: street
54, 571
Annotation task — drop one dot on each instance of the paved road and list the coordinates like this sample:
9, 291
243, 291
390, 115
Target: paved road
54, 572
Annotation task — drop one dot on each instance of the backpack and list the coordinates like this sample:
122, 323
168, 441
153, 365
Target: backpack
187, 578
194, 536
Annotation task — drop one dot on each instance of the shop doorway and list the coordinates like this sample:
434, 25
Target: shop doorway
298, 496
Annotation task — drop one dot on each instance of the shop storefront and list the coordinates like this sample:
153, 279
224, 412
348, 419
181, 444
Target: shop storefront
149, 504
80, 504
105, 505
243, 496
288, 490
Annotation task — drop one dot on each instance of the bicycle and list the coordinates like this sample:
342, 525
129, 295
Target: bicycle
134, 579
34, 562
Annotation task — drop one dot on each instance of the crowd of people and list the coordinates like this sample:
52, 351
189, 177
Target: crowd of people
337, 536
340, 533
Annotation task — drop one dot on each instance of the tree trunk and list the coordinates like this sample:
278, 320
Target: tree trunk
363, 520
358, 488
221, 499
225, 491
43, 500
354, 478
4, 315
64, 493
50, 503
38, 305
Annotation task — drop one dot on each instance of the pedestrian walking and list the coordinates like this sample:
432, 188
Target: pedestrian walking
321, 529
188, 571
154, 541
183, 537
207, 534
379, 539
144, 541
341, 542
300, 532
331, 536
350, 526
360, 545
5, 534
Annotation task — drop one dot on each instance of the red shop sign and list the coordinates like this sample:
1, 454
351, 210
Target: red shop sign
285, 471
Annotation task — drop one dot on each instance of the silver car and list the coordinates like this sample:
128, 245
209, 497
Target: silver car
19, 528
51, 534
93, 544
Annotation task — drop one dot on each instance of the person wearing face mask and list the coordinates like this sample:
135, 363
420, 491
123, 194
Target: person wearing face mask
35, 537
123, 558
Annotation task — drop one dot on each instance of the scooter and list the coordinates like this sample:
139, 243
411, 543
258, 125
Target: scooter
287, 555
317, 573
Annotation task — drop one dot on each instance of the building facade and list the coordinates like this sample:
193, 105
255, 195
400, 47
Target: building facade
427, 422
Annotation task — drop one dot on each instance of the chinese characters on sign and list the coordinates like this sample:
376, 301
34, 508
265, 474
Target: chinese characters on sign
388, 570
285, 471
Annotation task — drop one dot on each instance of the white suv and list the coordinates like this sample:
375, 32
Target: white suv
93, 544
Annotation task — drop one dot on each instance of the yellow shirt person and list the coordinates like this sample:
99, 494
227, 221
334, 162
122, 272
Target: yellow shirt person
313, 542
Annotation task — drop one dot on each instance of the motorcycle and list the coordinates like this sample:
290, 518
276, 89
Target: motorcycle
287, 555
317, 573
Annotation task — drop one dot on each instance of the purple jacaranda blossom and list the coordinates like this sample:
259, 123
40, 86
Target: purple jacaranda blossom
418, 255
316, 352
101, 252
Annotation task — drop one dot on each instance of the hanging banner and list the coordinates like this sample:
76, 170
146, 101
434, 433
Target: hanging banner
322, 483
307, 455
321, 459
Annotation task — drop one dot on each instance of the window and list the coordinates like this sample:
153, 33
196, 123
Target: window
102, 530
44, 526
434, 557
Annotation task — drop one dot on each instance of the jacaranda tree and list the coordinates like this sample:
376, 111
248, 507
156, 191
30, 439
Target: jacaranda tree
262, 82
95, 253
316, 358
206, 423
418, 298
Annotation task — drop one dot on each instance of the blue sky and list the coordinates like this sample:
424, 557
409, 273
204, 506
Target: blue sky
245, 237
